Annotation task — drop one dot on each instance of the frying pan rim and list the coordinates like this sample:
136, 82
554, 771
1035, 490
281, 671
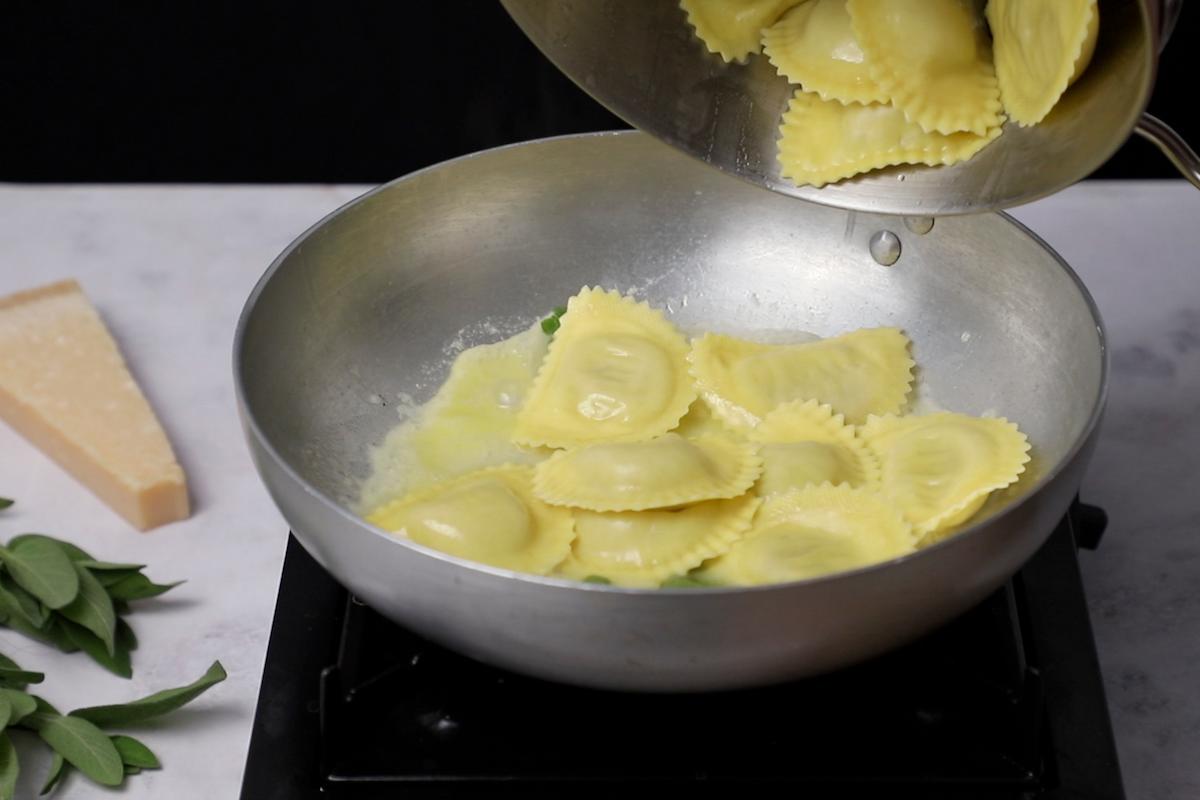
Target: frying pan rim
960, 539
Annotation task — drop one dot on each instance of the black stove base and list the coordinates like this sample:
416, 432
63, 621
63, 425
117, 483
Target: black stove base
1005, 702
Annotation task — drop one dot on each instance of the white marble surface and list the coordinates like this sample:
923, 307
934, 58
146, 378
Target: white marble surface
169, 267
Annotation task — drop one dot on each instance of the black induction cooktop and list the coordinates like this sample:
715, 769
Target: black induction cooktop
1005, 702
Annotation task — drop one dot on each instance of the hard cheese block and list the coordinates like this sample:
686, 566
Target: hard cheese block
65, 387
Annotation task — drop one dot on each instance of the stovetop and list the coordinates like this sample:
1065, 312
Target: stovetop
1005, 702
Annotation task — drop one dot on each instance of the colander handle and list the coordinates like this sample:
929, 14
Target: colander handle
1173, 146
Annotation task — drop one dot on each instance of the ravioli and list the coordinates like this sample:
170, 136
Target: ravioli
814, 531
644, 548
490, 516
804, 442
733, 28
467, 425
939, 469
616, 371
699, 421
863, 372
824, 141
659, 473
1040, 49
814, 45
933, 59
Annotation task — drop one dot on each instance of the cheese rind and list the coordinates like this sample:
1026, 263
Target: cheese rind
65, 387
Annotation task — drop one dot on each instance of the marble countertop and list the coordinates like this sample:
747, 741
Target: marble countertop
169, 268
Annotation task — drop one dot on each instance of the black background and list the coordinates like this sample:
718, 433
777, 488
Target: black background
318, 92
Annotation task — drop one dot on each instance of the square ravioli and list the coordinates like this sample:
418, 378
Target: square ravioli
616, 371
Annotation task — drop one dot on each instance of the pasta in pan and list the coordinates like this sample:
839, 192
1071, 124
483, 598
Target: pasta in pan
792, 461
615, 371
659, 473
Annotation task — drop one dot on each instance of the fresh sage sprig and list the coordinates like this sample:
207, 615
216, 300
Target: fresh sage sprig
58, 594
80, 739
5, 503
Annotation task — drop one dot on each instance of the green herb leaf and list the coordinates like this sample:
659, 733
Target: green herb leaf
44, 713
597, 579
108, 566
5, 503
18, 601
53, 634
85, 747
134, 753
22, 704
73, 552
58, 769
109, 577
560, 310
153, 705
19, 678
6, 712
93, 609
132, 770
9, 768
21, 626
550, 325
126, 638
138, 587
12, 674
116, 662
42, 568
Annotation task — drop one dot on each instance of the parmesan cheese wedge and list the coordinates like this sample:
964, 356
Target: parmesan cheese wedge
64, 386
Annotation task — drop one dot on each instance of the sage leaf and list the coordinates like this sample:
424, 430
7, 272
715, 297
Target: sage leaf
74, 552
22, 704
6, 712
5, 503
85, 747
9, 768
19, 678
21, 602
58, 768
126, 638
130, 770
108, 566
42, 568
22, 626
153, 705
55, 633
138, 587
92, 609
108, 577
116, 662
12, 674
39, 718
134, 753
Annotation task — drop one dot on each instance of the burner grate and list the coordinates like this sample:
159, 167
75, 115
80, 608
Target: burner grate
1004, 702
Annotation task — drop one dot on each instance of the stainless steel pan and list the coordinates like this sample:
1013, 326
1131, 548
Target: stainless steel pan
640, 58
362, 306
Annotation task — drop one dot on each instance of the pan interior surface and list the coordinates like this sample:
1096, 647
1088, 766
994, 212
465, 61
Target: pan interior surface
371, 305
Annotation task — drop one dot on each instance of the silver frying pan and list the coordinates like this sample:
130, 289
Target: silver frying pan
364, 303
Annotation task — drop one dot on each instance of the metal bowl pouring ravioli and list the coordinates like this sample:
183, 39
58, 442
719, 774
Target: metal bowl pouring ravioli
362, 306
643, 61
